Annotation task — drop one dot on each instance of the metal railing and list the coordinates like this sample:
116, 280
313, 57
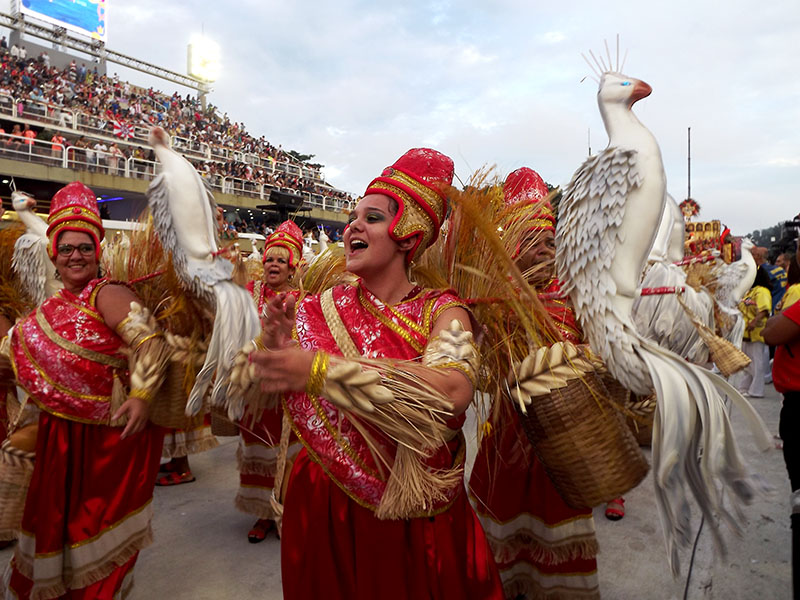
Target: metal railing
78, 120
30, 150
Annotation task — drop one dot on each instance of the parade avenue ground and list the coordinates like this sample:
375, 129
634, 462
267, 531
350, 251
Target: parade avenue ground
201, 550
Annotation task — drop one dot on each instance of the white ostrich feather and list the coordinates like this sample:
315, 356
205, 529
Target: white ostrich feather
30, 263
30, 259
184, 216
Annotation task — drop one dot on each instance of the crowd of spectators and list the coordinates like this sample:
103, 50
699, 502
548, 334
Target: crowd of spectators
41, 90
240, 223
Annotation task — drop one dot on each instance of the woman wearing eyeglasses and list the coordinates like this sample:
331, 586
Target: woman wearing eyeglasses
91, 359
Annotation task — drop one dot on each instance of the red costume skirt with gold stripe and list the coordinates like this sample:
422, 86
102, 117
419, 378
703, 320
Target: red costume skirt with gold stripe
333, 548
257, 456
543, 548
88, 510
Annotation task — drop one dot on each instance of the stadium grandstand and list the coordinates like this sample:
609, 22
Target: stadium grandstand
63, 118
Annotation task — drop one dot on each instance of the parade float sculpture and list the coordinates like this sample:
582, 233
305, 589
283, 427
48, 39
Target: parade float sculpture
609, 218
184, 213
698, 286
668, 245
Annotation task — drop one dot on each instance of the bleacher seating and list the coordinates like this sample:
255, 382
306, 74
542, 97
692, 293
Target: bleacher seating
99, 123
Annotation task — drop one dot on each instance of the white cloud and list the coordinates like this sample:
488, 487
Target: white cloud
553, 37
783, 161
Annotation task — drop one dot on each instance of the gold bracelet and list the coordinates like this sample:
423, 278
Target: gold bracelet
147, 338
145, 395
258, 342
317, 374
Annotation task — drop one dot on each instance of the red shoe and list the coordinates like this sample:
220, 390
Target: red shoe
260, 530
175, 478
167, 467
615, 509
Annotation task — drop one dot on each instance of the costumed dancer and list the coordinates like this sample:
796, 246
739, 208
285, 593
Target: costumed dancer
89, 505
259, 444
543, 547
376, 505
179, 444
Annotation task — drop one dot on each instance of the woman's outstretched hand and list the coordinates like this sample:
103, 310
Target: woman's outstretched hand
278, 322
284, 370
282, 366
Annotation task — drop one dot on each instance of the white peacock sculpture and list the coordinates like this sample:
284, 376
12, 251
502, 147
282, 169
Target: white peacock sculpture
608, 220
30, 260
668, 244
184, 216
661, 317
733, 282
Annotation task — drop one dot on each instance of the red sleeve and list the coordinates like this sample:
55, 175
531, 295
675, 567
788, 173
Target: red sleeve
793, 313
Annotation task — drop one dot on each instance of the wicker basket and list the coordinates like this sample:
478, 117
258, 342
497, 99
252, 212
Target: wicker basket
583, 442
16, 468
168, 409
728, 358
221, 425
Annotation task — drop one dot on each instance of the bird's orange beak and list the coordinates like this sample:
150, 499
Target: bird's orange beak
640, 90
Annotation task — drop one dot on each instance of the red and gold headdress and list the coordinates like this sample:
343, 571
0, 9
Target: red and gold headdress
289, 236
525, 195
74, 208
417, 181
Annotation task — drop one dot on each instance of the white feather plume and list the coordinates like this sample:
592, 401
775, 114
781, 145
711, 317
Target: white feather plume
30, 260
184, 216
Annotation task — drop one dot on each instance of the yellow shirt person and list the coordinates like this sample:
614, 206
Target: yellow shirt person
791, 296
755, 307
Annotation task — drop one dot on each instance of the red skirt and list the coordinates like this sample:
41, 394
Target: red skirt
543, 548
88, 510
333, 548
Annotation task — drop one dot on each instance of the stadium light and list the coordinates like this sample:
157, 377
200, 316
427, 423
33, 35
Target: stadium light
203, 59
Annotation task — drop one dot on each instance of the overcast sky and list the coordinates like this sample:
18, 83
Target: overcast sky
499, 83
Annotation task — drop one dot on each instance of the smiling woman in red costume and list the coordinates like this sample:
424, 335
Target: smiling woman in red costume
352, 530
259, 442
88, 508
544, 549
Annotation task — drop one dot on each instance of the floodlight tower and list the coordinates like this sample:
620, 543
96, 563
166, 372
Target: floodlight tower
203, 64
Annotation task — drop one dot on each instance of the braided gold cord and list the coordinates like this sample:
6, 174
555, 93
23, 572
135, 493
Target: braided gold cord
318, 374
145, 339
142, 394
